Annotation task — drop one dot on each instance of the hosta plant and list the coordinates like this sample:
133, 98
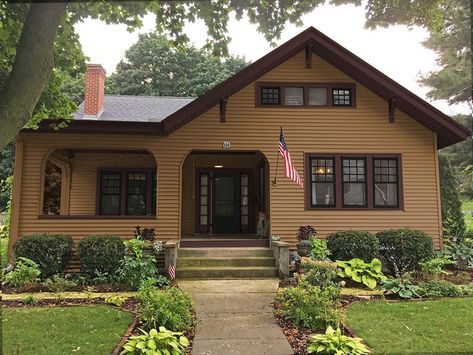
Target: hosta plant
401, 287
435, 266
26, 272
367, 273
156, 343
334, 342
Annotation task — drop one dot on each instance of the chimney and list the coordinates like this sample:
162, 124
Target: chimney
94, 91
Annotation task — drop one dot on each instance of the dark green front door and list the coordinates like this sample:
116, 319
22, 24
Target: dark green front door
226, 203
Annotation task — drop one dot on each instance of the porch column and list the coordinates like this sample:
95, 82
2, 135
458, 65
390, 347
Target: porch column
281, 254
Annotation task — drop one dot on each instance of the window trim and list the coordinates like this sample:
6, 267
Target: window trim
306, 86
339, 181
123, 191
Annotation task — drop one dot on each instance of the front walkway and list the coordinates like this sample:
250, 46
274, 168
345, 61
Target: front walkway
235, 317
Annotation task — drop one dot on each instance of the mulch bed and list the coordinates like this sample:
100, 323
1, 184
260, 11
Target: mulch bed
108, 287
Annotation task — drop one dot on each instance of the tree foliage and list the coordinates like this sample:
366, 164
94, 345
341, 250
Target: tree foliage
7, 157
153, 66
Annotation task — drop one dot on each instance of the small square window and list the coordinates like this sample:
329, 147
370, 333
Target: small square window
293, 96
270, 96
318, 96
341, 97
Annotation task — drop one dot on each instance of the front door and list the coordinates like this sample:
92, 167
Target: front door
226, 203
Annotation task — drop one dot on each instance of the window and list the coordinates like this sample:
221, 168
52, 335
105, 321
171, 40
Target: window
204, 203
322, 180
127, 192
371, 181
270, 96
318, 97
354, 182
52, 189
293, 96
385, 182
341, 97
244, 203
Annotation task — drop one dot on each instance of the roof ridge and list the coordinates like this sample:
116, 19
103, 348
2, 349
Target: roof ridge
152, 96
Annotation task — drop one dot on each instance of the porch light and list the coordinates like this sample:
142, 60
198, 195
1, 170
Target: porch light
218, 166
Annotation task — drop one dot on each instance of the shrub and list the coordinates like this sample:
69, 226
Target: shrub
318, 249
401, 287
359, 271
404, 248
438, 288
435, 266
468, 289
309, 306
154, 342
58, 283
100, 254
52, 252
305, 233
333, 342
319, 273
26, 272
461, 253
348, 245
134, 270
29, 300
161, 281
170, 308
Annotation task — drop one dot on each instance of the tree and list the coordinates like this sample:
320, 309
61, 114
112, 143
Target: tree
153, 66
29, 32
453, 222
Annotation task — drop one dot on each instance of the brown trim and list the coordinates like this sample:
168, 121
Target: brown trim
93, 216
223, 108
449, 131
391, 109
309, 49
306, 86
16, 196
339, 181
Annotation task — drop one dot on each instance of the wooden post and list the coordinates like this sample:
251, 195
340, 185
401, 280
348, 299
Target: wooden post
281, 254
170, 253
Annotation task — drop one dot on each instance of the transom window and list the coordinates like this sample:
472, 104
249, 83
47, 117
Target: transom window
306, 94
360, 181
127, 192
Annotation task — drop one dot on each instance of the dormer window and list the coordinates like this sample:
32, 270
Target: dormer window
306, 94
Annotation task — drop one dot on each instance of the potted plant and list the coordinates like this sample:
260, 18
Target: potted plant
150, 245
304, 234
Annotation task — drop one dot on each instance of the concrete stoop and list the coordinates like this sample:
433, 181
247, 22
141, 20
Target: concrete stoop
222, 263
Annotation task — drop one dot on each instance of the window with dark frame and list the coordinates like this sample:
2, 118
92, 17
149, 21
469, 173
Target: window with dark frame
293, 96
385, 182
127, 192
322, 180
341, 97
270, 95
354, 182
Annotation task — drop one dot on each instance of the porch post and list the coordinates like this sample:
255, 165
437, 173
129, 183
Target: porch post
281, 254
170, 253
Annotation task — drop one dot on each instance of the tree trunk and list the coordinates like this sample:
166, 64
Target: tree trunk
31, 70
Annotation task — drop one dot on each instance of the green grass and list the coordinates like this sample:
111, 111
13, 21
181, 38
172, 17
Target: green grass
63, 330
468, 206
439, 326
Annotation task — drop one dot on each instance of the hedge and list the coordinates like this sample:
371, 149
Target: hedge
346, 245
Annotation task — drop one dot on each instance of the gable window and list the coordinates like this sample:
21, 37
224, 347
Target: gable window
270, 95
366, 181
306, 94
127, 192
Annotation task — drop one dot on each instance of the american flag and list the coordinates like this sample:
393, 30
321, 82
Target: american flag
289, 169
171, 270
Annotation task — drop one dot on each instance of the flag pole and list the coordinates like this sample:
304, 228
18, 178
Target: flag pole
277, 159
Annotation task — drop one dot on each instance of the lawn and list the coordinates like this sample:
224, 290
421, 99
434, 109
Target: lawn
63, 330
468, 207
439, 326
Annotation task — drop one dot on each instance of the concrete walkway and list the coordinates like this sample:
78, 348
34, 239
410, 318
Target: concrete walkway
235, 317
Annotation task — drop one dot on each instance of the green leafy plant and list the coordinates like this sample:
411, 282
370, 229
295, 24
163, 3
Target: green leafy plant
401, 287
334, 342
58, 283
468, 289
134, 270
439, 288
404, 248
359, 271
170, 308
29, 300
161, 281
52, 252
347, 245
25, 273
319, 273
435, 266
156, 343
116, 300
309, 306
89, 291
461, 253
135, 247
318, 249
100, 254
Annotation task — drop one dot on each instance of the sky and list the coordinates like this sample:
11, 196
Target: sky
396, 51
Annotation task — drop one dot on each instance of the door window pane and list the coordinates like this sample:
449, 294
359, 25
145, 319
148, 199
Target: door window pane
293, 96
203, 203
244, 209
354, 182
318, 96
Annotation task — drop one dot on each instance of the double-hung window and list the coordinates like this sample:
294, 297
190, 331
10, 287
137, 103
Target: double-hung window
344, 181
127, 192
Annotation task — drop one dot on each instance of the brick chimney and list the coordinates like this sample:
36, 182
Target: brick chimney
94, 91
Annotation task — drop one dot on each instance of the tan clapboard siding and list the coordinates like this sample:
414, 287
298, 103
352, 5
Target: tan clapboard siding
364, 129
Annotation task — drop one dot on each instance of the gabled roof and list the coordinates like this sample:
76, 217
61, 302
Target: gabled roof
138, 108
448, 131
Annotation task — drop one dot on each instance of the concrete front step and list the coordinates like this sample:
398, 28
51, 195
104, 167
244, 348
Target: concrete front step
225, 261
224, 252
201, 272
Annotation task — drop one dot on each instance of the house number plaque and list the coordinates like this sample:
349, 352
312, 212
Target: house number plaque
226, 145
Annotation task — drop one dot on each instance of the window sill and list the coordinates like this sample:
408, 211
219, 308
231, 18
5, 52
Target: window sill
45, 216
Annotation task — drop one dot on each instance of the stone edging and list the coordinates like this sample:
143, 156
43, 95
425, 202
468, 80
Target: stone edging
125, 337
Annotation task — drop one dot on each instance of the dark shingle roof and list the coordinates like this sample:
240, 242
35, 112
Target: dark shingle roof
138, 108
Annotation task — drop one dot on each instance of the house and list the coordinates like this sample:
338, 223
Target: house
201, 169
